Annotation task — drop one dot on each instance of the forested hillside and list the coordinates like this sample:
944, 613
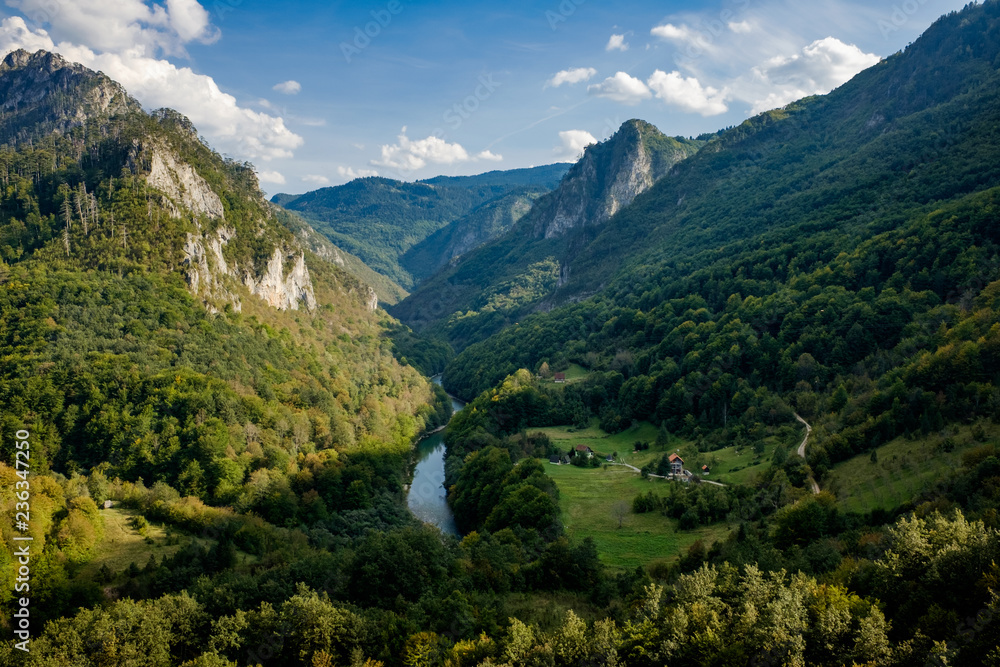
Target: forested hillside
494, 285
804, 310
161, 330
379, 219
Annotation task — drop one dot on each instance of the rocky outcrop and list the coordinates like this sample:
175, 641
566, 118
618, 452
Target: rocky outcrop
608, 177
182, 184
47, 93
284, 284
281, 291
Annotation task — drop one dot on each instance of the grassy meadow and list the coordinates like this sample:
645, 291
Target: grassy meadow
587, 497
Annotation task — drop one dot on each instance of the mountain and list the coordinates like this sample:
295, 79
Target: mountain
839, 257
379, 219
519, 271
44, 93
489, 221
158, 319
386, 290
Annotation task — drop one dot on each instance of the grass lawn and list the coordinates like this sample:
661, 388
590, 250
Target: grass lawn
904, 468
123, 544
728, 465
574, 373
587, 499
565, 437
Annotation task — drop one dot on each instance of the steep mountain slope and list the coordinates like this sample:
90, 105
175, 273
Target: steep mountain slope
379, 219
386, 290
517, 272
157, 319
489, 221
839, 257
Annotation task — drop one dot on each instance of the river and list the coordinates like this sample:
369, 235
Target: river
427, 497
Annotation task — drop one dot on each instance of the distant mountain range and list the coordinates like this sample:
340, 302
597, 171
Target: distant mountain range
380, 220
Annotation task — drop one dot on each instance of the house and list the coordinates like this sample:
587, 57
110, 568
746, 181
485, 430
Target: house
610, 459
706, 469
554, 459
676, 464
584, 449
559, 377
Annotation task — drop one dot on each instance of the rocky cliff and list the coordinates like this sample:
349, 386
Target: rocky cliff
41, 93
608, 177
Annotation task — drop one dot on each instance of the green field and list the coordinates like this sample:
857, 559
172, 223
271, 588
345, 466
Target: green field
123, 545
588, 497
728, 465
565, 437
574, 373
904, 468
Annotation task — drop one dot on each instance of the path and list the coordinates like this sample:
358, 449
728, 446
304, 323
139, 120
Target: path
802, 450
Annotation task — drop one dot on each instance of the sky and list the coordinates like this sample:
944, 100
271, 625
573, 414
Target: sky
317, 93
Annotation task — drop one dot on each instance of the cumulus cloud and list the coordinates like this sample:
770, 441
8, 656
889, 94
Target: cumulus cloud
316, 179
817, 69
617, 43
288, 87
687, 94
271, 177
680, 33
410, 155
124, 40
572, 143
123, 24
490, 156
351, 173
571, 76
621, 88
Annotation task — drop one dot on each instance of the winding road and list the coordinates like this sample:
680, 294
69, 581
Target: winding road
802, 450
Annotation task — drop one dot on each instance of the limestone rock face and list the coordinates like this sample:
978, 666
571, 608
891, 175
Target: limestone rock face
182, 184
608, 177
284, 284
280, 291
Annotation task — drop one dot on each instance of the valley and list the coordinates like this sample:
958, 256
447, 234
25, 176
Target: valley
725, 399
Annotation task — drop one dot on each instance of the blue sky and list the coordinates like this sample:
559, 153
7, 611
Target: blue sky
315, 93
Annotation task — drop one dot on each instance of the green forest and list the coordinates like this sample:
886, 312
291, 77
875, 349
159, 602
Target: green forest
805, 308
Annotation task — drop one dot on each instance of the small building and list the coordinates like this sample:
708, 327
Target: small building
706, 469
676, 464
559, 378
108, 504
610, 459
554, 459
584, 450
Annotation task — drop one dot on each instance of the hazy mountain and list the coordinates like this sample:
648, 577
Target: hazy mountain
522, 268
379, 219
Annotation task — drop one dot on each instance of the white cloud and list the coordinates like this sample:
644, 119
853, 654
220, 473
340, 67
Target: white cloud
572, 144
571, 76
680, 33
271, 177
489, 156
410, 155
351, 173
817, 69
316, 179
621, 88
123, 24
741, 27
123, 38
288, 87
617, 43
687, 94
